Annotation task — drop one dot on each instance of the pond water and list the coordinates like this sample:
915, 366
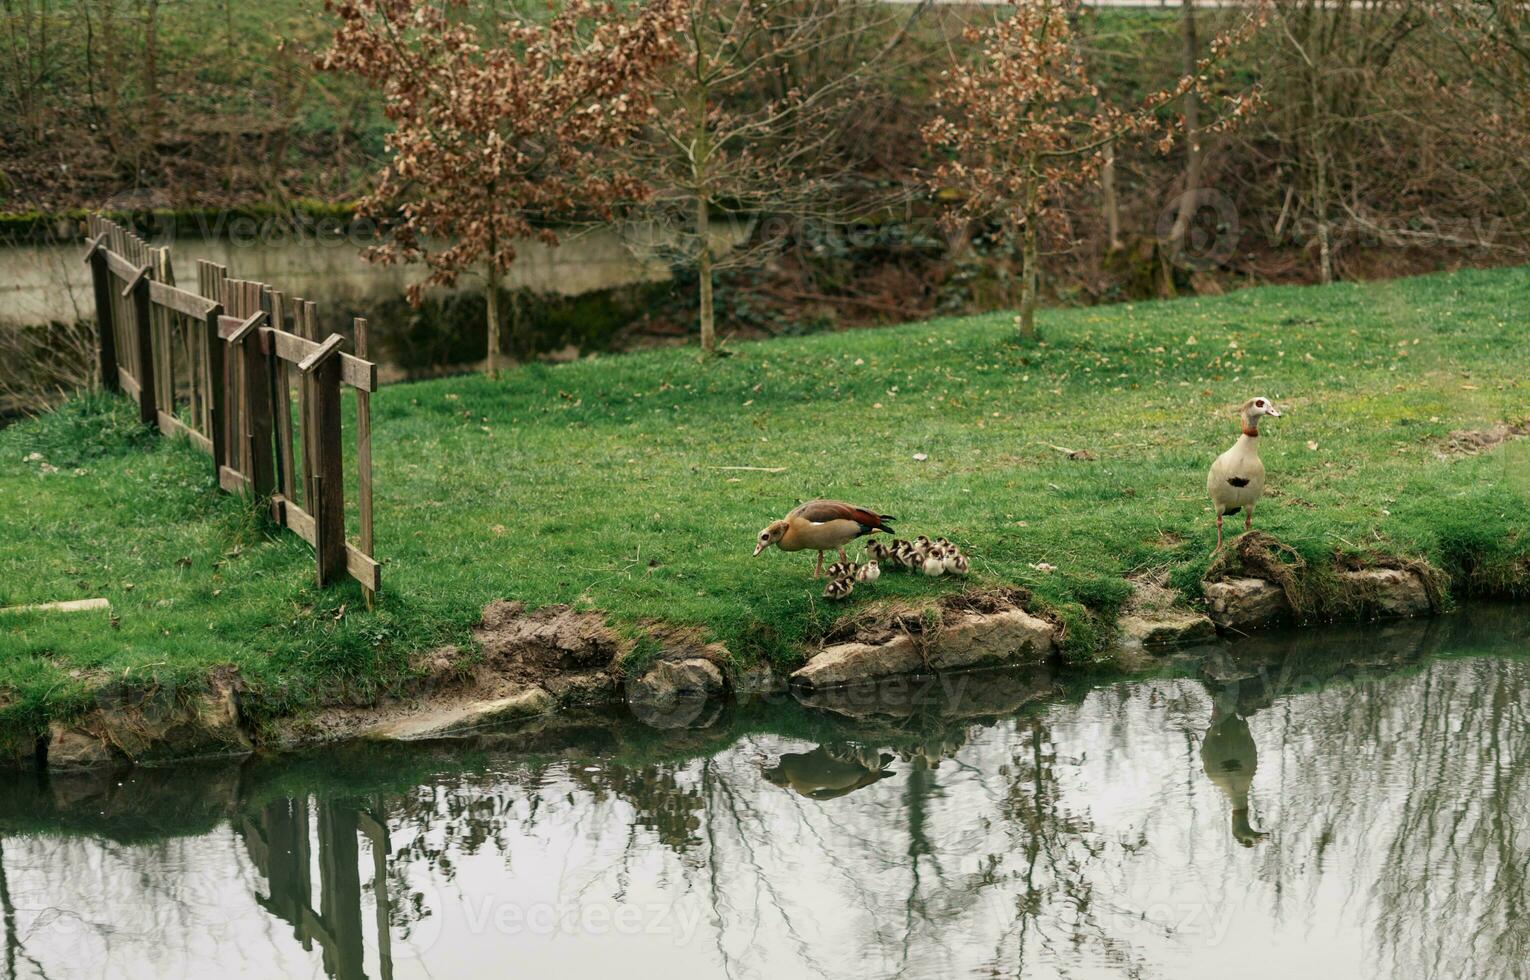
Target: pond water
1346, 803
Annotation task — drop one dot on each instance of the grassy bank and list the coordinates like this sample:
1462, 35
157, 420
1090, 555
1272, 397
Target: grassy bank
613, 484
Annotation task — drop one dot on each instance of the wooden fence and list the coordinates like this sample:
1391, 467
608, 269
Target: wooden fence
226, 366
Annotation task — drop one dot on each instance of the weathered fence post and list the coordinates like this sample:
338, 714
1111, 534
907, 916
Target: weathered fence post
106, 337
326, 492
256, 411
363, 456
237, 389
257, 367
213, 365
137, 290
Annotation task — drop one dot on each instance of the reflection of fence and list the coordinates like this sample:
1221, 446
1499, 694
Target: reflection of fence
219, 366
278, 838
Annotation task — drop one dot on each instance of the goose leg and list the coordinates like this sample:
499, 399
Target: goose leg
818, 569
842, 554
1248, 519
1219, 532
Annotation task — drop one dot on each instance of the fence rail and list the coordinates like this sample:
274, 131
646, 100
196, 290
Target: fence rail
221, 366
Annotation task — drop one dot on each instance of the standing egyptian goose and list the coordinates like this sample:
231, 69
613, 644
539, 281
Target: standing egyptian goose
822, 525
1236, 480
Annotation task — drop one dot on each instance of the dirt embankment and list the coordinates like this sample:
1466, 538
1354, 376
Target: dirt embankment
526, 664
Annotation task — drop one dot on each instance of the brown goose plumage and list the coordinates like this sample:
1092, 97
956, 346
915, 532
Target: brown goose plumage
822, 525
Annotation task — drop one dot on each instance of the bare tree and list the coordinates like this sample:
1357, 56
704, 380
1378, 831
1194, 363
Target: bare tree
750, 125
1022, 125
1192, 129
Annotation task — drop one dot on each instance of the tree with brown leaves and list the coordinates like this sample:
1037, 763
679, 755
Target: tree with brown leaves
498, 130
1021, 124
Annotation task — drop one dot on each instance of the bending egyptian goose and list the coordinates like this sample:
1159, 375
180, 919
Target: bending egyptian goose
1236, 480
822, 525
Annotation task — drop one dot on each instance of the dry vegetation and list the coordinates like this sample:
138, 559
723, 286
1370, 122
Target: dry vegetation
1391, 140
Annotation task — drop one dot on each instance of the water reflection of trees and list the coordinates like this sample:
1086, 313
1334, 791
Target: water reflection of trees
1433, 778
928, 839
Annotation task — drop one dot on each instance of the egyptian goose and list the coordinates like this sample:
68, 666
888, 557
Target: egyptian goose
956, 563
838, 588
935, 561
822, 525
868, 572
1236, 480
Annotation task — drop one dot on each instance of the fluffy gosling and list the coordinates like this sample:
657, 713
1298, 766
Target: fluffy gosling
935, 561
838, 588
868, 572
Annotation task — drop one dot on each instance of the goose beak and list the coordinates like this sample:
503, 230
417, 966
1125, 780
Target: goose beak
760, 547
1273, 412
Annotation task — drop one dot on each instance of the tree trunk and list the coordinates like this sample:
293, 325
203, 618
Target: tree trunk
1029, 277
231, 142
1112, 204
1193, 154
704, 274
520, 344
151, 75
1319, 144
491, 297
1325, 237
8, 921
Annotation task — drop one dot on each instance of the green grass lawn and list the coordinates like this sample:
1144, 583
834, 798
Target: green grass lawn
612, 483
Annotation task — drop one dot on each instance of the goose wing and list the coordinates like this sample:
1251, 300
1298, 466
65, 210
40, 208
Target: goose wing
823, 511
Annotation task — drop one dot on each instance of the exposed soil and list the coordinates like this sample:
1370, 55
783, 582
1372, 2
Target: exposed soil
527, 665
1150, 593
1262, 556
880, 622
1470, 442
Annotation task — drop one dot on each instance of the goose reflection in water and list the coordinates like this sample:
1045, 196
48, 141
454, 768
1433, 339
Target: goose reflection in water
1231, 759
824, 775
1228, 752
